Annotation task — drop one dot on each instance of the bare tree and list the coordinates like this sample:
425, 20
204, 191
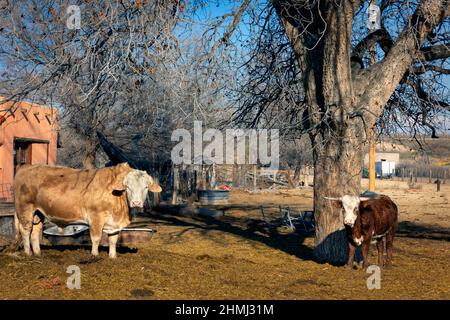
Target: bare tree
309, 71
305, 70
90, 70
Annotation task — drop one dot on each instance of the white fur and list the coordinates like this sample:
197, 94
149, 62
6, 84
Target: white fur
359, 240
137, 183
350, 203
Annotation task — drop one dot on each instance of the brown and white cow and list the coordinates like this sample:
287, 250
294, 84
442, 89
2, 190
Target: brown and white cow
99, 197
367, 218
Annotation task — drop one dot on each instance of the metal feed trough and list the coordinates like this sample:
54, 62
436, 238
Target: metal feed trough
213, 196
7, 219
78, 234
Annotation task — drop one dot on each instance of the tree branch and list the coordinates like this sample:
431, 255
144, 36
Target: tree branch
236, 20
380, 36
436, 52
429, 67
384, 77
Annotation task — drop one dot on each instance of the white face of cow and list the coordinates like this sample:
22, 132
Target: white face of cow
350, 205
137, 185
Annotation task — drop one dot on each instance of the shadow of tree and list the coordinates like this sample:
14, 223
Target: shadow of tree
414, 230
251, 229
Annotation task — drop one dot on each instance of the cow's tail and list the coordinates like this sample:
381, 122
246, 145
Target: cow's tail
18, 238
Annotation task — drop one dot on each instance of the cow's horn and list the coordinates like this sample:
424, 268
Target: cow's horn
336, 199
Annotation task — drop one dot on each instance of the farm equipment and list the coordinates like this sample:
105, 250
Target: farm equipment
295, 220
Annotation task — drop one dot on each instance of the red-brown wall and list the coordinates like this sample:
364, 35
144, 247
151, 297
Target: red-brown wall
28, 121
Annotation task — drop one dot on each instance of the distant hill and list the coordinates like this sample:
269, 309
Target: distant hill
433, 151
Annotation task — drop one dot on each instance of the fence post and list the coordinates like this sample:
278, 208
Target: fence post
289, 180
254, 177
175, 185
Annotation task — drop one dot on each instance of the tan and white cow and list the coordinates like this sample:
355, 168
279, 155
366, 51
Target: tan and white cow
99, 197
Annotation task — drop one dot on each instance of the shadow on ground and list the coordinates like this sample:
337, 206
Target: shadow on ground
251, 229
414, 230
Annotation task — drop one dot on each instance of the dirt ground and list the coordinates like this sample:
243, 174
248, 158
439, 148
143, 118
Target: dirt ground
235, 257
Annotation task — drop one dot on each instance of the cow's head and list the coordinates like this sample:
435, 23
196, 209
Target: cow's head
350, 204
137, 183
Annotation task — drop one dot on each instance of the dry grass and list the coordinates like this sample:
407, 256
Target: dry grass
236, 258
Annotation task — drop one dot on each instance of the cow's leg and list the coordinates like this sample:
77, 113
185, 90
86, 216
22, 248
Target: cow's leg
351, 254
25, 232
380, 248
365, 253
389, 246
25, 217
112, 244
96, 235
36, 236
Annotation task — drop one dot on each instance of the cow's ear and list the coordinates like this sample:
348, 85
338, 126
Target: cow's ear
152, 186
155, 188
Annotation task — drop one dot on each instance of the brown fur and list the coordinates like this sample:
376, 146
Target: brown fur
380, 217
64, 195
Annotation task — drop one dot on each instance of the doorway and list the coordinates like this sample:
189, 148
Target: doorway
22, 153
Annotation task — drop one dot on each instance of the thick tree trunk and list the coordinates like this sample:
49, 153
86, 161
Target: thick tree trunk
337, 171
341, 105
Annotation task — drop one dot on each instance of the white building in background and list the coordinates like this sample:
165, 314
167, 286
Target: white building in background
384, 168
385, 163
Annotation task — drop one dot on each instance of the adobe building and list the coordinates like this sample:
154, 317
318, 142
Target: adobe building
28, 135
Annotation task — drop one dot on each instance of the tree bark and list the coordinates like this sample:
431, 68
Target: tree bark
337, 171
343, 104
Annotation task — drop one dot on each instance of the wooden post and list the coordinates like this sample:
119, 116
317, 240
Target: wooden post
415, 175
403, 174
156, 194
372, 160
176, 186
234, 178
445, 176
372, 130
289, 180
203, 178
438, 185
429, 180
213, 176
254, 177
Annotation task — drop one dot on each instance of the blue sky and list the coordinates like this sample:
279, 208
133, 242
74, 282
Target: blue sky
217, 8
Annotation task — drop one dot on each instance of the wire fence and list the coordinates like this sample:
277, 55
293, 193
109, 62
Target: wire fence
6, 192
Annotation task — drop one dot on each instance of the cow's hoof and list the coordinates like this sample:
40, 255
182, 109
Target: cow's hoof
351, 266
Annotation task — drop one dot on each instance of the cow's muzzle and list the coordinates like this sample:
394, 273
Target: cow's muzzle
349, 223
136, 204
